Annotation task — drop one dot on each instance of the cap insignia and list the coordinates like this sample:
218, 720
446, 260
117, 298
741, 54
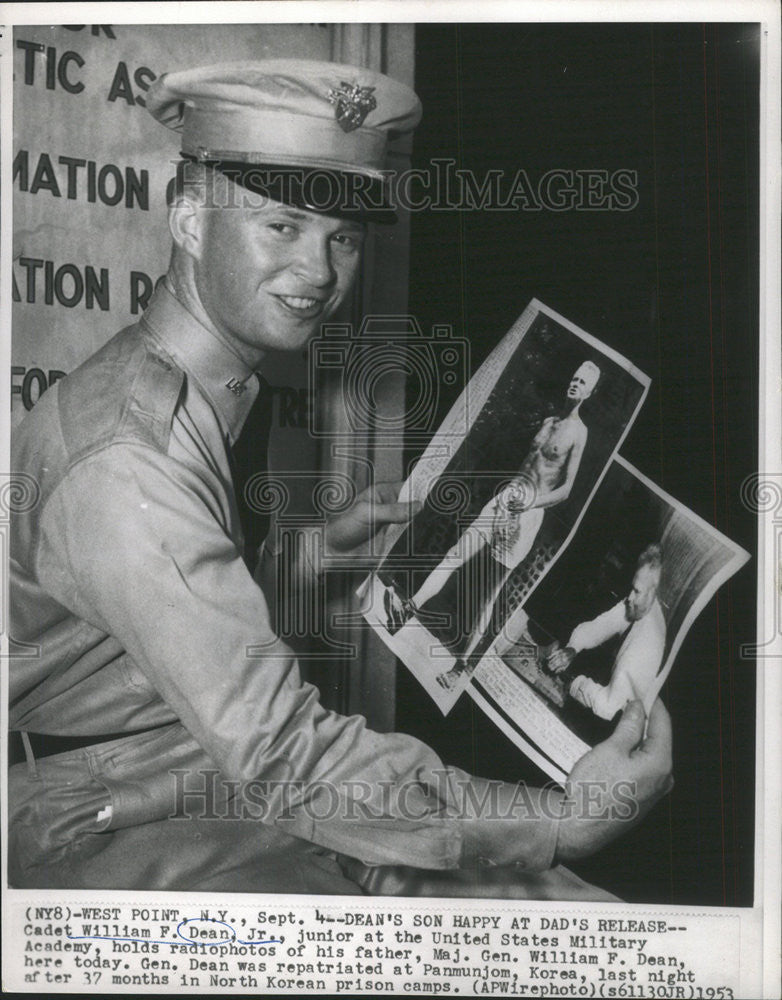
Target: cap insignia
353, 104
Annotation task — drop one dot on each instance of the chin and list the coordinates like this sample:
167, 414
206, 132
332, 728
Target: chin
287, 337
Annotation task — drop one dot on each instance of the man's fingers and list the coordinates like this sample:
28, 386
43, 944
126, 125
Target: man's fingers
395, 513
384, 505
659, 728
562, 659
659, 738
386, 492
630, 728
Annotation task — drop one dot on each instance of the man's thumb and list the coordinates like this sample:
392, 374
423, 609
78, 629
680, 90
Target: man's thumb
630, 728
395, 513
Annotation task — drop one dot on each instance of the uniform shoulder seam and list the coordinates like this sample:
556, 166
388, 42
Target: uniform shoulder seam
139, 390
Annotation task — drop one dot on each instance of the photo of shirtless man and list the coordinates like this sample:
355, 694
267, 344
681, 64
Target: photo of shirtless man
509, 523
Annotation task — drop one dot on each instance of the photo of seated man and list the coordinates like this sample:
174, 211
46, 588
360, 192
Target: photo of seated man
639, 622
605, 624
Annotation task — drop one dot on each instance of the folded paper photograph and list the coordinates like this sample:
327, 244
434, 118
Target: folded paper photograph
504, 483
558, 591
605, 624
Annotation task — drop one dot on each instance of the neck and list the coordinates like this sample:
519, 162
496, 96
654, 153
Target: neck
180, 281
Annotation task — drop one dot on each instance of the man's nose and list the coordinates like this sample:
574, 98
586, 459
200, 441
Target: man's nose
313, 262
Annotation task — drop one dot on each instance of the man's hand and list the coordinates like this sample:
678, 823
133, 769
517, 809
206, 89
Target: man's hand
616, 783
560, 659
375, 507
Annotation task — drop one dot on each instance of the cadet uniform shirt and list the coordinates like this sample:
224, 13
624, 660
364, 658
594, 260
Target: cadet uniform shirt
138, 612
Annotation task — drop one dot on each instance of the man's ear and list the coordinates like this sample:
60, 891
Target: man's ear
186, 222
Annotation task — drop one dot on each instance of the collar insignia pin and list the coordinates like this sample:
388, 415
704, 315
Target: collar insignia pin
353, 104
236, 387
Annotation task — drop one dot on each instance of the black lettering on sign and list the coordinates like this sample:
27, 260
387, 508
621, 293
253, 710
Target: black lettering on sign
29, 49
57, 70
141, 288
293, 406
29, 384
108, 184
68, 284
95, 29
110, 191
62, 72
69, 292
136, 188
73, 164
121, 86
44, 178
143, 77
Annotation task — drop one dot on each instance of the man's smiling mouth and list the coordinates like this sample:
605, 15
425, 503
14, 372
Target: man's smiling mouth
300, 305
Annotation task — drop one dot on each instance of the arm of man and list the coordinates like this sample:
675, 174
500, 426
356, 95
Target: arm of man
133, 543
588, 635
604, 700
634, 670
591, 634
316, 548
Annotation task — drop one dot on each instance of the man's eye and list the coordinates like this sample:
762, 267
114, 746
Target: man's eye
282, 227
347, 241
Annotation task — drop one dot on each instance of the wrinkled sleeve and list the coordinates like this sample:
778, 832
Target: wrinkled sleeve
605, 701
589, 635
635, 668
133, 542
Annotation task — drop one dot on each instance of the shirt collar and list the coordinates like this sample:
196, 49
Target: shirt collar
227, 380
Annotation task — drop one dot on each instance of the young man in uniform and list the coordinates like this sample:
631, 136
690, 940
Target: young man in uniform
133, 576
